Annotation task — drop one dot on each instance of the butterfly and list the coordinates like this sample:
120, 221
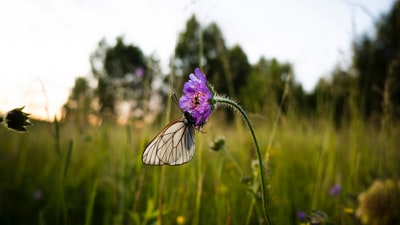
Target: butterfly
173, 145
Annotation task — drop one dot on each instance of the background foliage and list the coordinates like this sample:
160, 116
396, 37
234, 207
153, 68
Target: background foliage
86, 168
124, 74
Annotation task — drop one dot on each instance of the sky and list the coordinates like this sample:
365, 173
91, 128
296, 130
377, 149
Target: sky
46, 44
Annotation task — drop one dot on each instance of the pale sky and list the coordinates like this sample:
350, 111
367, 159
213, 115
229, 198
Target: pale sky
46, 44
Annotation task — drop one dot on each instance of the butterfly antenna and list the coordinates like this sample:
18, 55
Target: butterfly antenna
175, 99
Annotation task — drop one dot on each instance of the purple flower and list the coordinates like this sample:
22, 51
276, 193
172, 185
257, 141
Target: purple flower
37, 194
301, 215
139, 72
335, 190
196, 99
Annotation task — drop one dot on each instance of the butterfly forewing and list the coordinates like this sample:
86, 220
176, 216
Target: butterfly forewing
173, 145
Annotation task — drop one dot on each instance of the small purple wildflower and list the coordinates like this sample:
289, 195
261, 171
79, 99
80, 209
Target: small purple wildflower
301, 215
37, 194
335, 190
196, 99
139, 72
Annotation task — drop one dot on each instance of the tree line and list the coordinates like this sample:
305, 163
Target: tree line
127, 83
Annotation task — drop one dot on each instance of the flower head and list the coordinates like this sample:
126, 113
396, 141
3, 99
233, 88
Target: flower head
301, 215
218, 144
380, 203
180, 220
139, 72
37, 195
196, 99
17, 120
335, 190
319, 218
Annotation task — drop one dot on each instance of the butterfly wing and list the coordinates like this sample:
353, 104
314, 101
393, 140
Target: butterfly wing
173, 145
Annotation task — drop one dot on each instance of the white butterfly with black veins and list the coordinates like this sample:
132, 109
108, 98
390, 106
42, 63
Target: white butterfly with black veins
173, 145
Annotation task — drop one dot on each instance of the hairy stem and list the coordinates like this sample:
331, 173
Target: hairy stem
236, 106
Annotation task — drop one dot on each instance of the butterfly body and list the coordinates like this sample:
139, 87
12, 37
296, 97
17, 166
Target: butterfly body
173, 145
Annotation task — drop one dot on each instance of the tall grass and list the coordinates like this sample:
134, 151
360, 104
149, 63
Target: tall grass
98, 178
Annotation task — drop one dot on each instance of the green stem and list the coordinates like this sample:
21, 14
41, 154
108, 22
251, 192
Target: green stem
231, 103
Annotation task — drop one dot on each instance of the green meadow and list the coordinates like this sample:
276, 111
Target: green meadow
327, 157
58, 174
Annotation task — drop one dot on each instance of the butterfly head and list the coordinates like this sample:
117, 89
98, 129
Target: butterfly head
189, 119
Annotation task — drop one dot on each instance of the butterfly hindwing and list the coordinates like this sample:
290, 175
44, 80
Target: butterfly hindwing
173, 145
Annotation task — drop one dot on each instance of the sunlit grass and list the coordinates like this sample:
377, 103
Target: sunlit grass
106, 183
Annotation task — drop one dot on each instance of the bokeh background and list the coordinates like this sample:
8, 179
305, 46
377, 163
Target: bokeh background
319, 80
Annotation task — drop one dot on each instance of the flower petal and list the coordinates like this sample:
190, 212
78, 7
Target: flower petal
196, 98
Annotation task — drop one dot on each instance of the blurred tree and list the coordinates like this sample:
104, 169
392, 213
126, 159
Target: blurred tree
240, 68
268, 83
342, 92
377, 61
187, 51
79, 104
257, 97
216, 60
121, 73
156, 89
334, 99
277, 74
227, 69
